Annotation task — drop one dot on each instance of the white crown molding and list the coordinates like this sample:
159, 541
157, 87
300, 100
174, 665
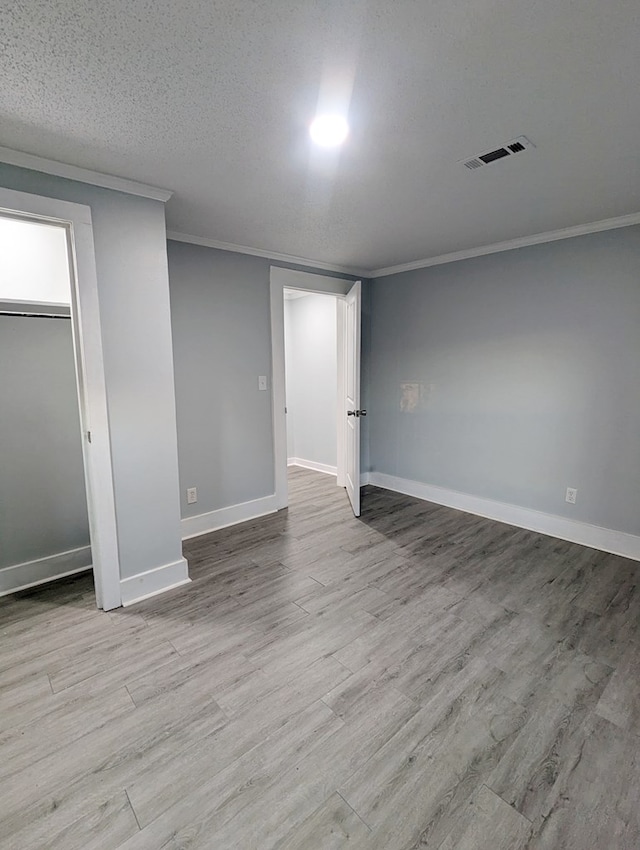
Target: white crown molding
594, 536
83, 175
512, 244
175, 236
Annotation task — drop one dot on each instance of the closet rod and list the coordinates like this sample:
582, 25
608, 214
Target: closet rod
34, 315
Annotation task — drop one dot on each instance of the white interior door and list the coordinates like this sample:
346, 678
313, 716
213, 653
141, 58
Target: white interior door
352, 395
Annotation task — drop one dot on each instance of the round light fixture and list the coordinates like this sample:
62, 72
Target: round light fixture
329, 131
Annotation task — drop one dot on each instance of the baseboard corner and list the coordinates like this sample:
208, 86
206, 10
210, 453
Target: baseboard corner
574, 531
153, 582
29, 574
326, 468
205, 523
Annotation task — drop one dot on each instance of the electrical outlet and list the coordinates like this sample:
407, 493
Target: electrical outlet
192, 495
571, 496
262, 382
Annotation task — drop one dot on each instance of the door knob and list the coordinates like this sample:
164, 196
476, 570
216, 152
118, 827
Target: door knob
361, 412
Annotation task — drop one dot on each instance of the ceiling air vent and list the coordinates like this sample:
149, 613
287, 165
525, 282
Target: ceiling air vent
517, 145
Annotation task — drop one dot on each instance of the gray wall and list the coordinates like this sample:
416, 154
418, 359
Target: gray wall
312, 378
221, 336
529, 362
131, 262
43, 508
220, 312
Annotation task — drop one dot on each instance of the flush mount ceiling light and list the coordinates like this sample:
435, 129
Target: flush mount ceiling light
329, 131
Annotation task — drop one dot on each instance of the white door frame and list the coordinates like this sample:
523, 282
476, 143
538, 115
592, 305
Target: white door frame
87, 342
341, 424
351, 398
280, 279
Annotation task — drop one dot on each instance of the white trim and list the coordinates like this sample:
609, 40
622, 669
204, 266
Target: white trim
51, 210
352, 400
312, 464
341, 422
94, 415
311, 282
204, 241
87, 343
41, 570
82, 175
194, 526
594, 536
512, 244
155, 581
365, 478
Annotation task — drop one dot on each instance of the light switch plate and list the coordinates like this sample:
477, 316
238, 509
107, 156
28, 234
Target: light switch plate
262, 382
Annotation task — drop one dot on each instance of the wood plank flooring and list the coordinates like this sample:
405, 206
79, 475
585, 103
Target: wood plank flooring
418, 678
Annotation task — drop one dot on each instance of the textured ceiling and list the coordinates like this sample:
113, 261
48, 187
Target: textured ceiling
212, 99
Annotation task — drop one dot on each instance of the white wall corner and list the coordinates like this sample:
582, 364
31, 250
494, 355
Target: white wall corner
194, 526
594, 536
155, 581
32, 573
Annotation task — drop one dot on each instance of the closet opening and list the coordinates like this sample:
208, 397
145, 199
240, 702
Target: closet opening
56, 488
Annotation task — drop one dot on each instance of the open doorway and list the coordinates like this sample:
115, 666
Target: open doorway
60, 509
328, 311
44, 522
311, 381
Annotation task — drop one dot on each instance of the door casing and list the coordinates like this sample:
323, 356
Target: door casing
87, 343
281, 278
350, 406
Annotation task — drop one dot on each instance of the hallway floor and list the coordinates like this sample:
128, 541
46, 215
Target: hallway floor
420, 677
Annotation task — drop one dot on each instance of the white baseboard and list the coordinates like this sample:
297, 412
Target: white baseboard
32, 573
365, 478
312, 464
155, 581
594, 536
194, 526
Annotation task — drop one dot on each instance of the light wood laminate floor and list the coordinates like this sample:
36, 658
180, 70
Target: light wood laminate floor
419, 678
